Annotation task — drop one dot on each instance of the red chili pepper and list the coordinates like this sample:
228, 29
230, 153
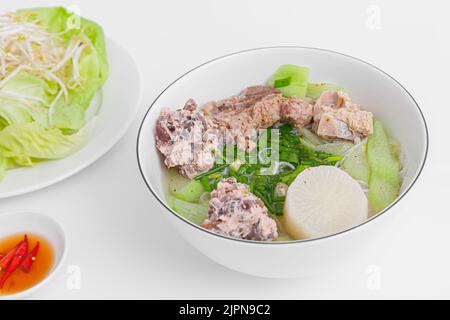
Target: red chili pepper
18, 257
6, 259
30, 258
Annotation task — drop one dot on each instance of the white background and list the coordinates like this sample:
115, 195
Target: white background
118, 237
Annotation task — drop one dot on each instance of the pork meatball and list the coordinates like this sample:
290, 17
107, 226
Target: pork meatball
235, 212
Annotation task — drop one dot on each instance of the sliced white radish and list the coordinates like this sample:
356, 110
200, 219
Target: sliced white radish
322, 201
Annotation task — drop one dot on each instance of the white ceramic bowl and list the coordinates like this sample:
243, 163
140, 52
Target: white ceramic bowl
42, 225
228, 75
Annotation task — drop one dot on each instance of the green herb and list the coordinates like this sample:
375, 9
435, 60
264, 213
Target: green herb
243, 179
264, 199
290, 149
290, 177
279, 198
278, 208
334, 158
215, 169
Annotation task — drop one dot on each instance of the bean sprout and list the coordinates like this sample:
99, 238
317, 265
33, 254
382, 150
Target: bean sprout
51, 109
51, 76
20, 96
75, 62
27, 45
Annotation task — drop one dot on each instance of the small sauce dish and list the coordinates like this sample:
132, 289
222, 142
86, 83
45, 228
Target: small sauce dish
18, 228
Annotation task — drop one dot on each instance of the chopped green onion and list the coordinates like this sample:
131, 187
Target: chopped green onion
291, 150
289, 157
264, 199
243, 169
279, 83
334, 158
243, 179
219, 168
233, 174
278, 208
215, 176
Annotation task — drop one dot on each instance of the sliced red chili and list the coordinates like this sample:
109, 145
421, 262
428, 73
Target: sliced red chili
7, 258
30, 258
19, 256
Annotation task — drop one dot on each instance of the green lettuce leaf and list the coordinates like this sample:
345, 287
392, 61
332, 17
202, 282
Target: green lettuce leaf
55, 18
59, 19
93, 66
27, 143
16, 111
35, 117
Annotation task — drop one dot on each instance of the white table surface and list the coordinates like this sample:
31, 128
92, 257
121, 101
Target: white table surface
119, 240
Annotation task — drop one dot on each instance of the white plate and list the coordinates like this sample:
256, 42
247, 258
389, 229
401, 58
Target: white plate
120, 96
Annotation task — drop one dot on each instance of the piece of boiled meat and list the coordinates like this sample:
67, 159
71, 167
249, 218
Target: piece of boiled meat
235, 212
257, 107
187, 140
337, 117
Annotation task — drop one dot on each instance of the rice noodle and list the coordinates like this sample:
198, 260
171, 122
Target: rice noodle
349, 152
285, 164
260, 154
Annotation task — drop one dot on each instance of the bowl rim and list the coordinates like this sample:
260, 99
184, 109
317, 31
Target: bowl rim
57, 265
292, 242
